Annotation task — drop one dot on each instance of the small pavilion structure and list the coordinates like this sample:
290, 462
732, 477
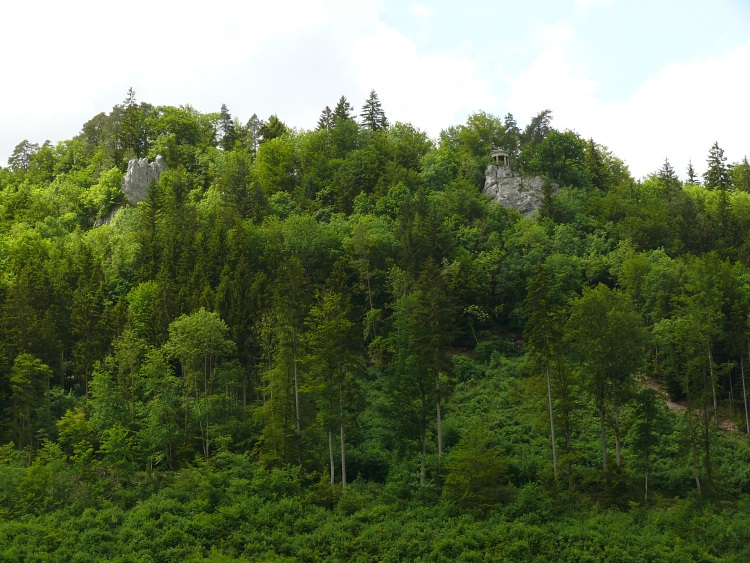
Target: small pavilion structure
500, 157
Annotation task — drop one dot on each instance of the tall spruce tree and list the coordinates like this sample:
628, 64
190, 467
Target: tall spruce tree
325, 121
342, 111
717, 178
226, 129
717, 175
373, 116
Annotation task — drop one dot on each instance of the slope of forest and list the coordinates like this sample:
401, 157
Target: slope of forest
328, 344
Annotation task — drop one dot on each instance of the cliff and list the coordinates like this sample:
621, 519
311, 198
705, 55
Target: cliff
139, 177
522, 193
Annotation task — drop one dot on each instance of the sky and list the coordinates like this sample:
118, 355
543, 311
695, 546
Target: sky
649, 79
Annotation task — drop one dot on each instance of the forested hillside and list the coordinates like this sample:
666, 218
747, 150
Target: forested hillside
328, 344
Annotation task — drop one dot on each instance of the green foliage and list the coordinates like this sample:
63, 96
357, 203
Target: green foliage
563, 158
476, 472
286, 310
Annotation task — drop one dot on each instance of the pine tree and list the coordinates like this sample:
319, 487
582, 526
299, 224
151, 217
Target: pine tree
537, 129
273, 129
132, 132
510, 124
596, 165
668, 177
325, 122
373, 116
226, 129
343, 111
740, 174
717, 175
717, 178
253, 127
666, 172
512, 136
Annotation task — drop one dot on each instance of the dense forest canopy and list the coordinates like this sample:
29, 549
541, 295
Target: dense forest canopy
330, 344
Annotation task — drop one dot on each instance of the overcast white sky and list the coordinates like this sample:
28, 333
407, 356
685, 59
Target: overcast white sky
649, 79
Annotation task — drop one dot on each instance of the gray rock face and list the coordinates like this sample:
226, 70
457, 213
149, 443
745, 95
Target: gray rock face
522, 193
139, 176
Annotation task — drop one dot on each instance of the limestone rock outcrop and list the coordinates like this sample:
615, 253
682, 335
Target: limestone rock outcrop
139, 176
522, 193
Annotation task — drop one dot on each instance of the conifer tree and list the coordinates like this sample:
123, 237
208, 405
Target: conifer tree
596, 165
253, 127
666, 172
717, 178
273, 129
343, 111
325, 122
132, 133
226, 129
740, 174
717, 175
512, 136
373, 116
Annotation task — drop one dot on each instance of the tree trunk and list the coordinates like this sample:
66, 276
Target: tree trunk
423, 466
372, 305
713, 386
707, 449
330, 455
207, 448
207, 392
616, 397
691, 426
343, 459
296, 395
439, 419
552, 422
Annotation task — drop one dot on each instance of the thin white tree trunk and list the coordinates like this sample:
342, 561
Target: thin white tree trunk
617, 423
552, 422
330, 455
296, 381
713, 386
343, 459
692, 447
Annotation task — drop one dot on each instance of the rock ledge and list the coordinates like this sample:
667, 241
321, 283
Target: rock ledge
139, 177
522, 193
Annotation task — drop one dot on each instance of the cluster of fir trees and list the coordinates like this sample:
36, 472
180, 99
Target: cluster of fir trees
307, 297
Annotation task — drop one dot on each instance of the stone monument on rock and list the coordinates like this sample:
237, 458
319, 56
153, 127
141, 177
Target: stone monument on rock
511, 190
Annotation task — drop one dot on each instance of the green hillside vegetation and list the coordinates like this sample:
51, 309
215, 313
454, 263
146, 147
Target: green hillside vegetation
329, 345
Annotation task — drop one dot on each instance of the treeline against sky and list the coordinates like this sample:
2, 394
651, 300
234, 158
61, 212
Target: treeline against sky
343, 309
